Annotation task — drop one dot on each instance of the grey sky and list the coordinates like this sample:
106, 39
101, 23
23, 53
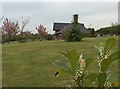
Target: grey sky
99, 14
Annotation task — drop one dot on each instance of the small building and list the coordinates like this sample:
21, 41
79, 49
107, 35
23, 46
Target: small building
60, 27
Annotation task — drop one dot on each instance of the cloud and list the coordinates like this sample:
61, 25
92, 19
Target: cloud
98, 14
99, 20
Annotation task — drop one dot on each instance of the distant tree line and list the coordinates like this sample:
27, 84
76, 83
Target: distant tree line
114, 29
11, 31
91, 32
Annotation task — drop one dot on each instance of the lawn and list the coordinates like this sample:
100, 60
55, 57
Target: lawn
30, 64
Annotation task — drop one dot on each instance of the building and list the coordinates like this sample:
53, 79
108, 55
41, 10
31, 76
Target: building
60, 27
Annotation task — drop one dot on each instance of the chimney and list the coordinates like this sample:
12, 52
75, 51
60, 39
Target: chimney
75, 18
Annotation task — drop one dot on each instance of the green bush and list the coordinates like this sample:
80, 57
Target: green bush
22, 39
5, 39
73, 35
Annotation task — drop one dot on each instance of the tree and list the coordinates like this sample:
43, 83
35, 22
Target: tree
42, 31
73, 34
73, 31
22, 37
112, 30
92, 31
1, 30
10, 28
24, 23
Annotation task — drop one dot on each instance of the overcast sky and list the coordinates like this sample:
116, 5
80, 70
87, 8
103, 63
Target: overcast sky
99, 14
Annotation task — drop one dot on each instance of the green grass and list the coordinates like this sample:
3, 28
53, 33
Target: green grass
31, 64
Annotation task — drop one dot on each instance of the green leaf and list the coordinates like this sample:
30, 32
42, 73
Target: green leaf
110, 43
62, 66
106, 62
91, 76
87, 83
74, 60
108, 75
101, 78
97, 50
73, 57
65, 54
88, 61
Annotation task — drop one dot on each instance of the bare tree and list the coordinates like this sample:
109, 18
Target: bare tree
24, 23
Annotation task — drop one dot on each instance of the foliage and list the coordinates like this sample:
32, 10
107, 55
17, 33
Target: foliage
50, 37
105, 58
33, 37
25, 35
92, 32
1, 30
42, 31
73, 35
78, 65
112, 30
10, 29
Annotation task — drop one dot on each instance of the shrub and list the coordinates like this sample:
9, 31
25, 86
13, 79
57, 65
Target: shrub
5, 38
73, 35
50, 37
42, 31
77, 66
21, 39
33, 37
